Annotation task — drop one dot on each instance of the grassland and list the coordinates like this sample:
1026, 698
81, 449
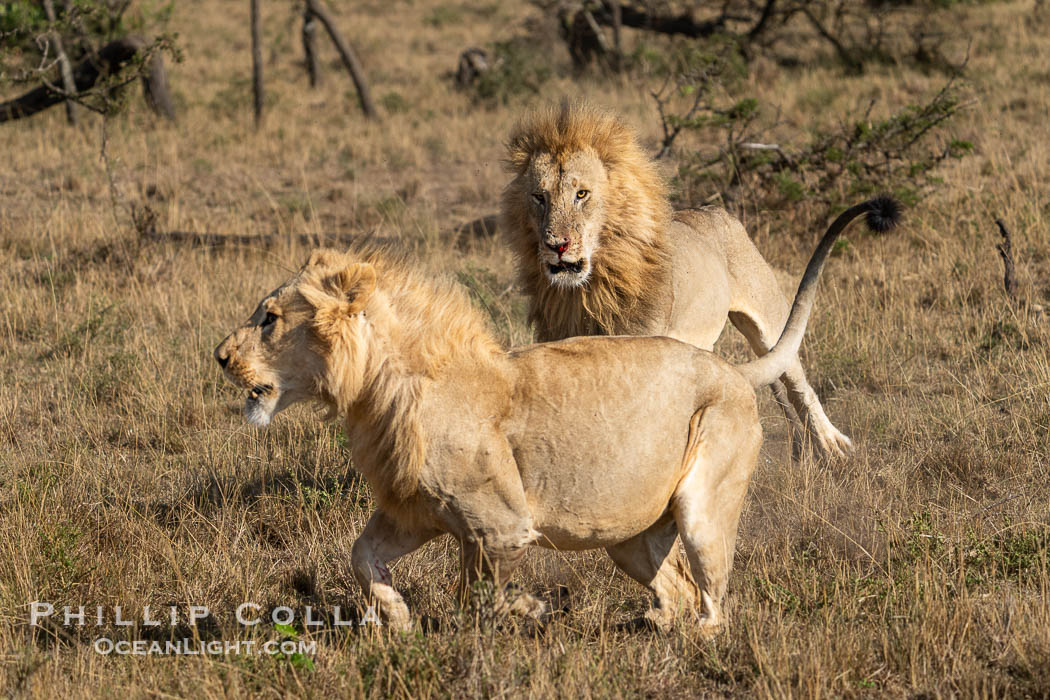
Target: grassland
127, 476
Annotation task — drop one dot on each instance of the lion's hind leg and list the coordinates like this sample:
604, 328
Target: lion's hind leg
760, 335
652, 558
758, 309
724, 446
379, 545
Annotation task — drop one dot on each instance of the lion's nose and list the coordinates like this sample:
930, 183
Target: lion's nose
558, 246
221, 356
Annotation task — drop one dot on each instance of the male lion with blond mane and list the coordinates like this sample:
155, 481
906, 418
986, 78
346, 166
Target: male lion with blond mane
535, 446
602, 252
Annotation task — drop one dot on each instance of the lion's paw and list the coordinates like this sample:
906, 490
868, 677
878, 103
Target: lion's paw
835, 445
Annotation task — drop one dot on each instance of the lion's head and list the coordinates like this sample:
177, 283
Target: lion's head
359, 332
586, 209
283, 354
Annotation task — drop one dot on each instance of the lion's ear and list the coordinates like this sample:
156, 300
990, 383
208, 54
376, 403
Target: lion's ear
357, 282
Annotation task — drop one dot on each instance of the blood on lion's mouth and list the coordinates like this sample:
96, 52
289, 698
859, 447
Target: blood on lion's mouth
564, 266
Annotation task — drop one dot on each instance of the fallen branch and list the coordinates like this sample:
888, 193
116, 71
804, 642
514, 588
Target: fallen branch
265, 240
751, 146
582, 30
682, 24
1007, 254
785, 159
482, 227
108, 61
145, 221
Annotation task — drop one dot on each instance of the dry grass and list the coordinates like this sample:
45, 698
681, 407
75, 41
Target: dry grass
127, 476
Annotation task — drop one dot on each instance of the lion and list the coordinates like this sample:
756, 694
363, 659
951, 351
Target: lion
602, 253
506, 449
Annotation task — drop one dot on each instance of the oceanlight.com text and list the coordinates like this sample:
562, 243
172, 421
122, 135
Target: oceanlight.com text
196, 647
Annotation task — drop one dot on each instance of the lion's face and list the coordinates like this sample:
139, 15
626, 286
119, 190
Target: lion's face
566, 204
283, 353
271, 356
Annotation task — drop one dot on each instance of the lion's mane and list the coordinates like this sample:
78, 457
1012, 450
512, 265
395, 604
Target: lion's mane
420, 325
631, 264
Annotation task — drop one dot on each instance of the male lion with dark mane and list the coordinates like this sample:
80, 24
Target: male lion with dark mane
536, 446
602, 252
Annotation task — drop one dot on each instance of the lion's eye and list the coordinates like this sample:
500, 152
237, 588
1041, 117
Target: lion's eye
582, 194
539, 199
269, 320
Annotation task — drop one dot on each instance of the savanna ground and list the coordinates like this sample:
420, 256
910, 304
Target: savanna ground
128, 477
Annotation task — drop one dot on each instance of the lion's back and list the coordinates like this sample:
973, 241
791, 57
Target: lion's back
637, 373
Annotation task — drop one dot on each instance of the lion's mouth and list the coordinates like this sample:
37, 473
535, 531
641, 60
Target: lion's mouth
565, 266
259, 390
261, 404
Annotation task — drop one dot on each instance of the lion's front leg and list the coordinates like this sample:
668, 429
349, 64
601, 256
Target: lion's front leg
380, 544
496, 563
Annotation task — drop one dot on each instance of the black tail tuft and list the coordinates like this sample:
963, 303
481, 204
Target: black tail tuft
883, 214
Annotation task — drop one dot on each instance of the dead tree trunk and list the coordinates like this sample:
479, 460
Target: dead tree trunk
257, 67
584, 37
86, 74
353, 66
64, 66
155, 88
313, 64
682, 24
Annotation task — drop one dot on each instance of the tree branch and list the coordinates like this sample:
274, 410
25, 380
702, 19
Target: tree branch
1006, 252
309, 36
353, 66
257, 66
63, 63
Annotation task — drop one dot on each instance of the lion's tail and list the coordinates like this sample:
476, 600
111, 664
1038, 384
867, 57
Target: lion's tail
883, 213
